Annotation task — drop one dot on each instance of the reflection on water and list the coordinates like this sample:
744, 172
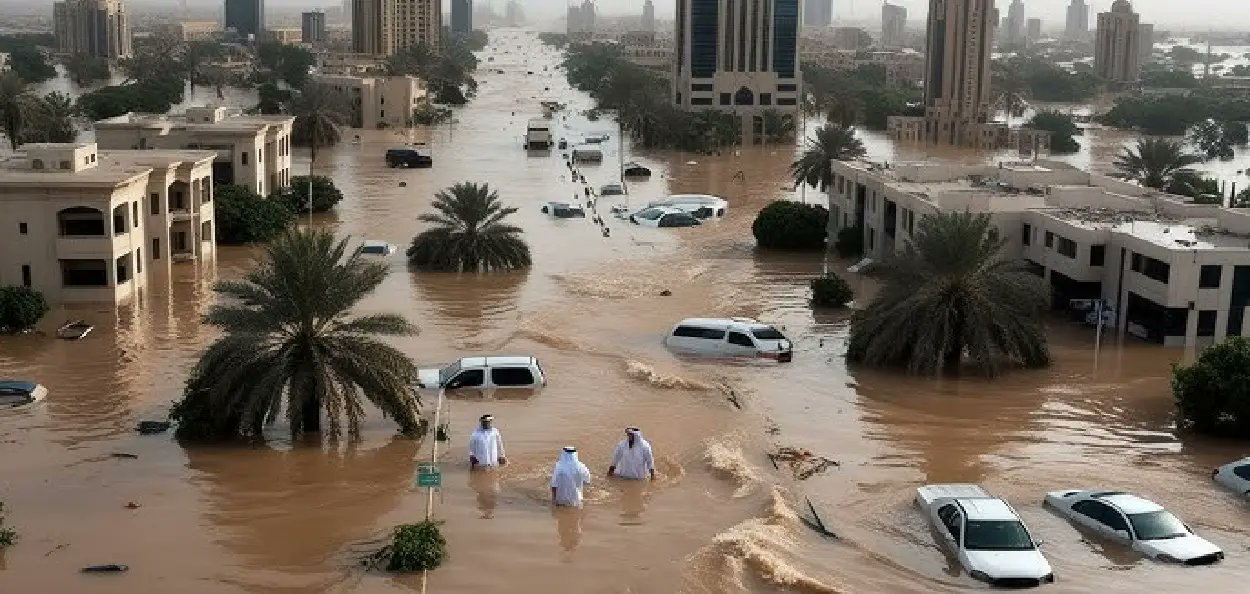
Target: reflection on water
288, 518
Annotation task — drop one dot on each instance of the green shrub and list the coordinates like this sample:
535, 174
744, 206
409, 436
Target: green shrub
831, 291
325, 194
417, 547
850, 242
8, 536
20, 308
1213, 394
243, 216
791, 226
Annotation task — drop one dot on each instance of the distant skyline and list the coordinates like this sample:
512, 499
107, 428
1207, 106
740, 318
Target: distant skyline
1191, 14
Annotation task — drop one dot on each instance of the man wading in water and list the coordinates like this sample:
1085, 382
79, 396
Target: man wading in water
486, 446
633, 458
568, 479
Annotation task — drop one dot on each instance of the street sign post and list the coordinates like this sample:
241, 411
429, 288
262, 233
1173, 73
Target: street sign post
429, 475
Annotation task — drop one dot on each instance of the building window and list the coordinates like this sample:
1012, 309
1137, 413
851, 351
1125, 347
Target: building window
119, 219
700, 100
1209, 277
701, 87
138, 261
1050, 239
1206, 323
154, 204
21, 228
1151, 268
156, 248
243, 158
787, 101
1026, 234
1067, 247
84, 273
724, 98
787, 88
66, 165
872, 238
678, 100
123, 268
134, 211
766, 98
1097, 255
26, 280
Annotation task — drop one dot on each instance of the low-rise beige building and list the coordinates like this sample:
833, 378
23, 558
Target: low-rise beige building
90, 225
252, 150
191, 30
377, 101
1171, 271
287, 36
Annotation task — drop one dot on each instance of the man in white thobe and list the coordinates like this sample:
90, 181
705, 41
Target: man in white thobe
568, 479
633, 458
486, 445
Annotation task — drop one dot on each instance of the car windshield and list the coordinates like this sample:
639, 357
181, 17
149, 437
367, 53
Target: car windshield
1157, 526
448, 372
650, 214
767, 334
997, 535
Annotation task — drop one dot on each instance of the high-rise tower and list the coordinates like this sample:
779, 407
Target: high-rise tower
957, 65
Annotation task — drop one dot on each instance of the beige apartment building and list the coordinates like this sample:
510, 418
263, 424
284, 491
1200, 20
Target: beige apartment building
1117, 44
1173, 272
383, 27
252, 150
285, 36
97, 28
6, 62
90, 225
191, 30
377, 101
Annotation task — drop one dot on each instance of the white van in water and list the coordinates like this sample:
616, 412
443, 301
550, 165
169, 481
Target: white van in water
703, 206
729, 337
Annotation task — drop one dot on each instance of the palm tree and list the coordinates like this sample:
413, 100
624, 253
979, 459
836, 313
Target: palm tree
288, 332
832, 141
951, 295
1156, 162
15, 103
469, 234
318, 111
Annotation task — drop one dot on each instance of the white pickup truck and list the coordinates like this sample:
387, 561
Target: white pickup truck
986, 534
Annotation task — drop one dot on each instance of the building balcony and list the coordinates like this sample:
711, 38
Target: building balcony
182, 214
71, 247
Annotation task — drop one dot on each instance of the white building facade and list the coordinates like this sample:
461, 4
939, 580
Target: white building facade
90, 225
1173, 273
253, 151
377, 101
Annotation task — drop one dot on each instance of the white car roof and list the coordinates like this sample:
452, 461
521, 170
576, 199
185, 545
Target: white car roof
987, 508
491, 361
1236, 463
1128, 503
691, 199
723, 322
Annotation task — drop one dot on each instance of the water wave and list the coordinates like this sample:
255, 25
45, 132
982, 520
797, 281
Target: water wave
646, 373
755, 550
727, 459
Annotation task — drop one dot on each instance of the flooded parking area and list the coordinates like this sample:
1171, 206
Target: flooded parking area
285, 518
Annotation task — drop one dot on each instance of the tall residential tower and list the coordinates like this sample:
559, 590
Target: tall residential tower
1078, 20
893, 25
648, 16
383, 27
246, 17
1015, 21
957, 85
1117, 47
97, 28
461, 16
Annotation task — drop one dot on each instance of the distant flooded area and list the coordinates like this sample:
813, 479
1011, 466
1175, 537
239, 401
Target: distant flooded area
720, 518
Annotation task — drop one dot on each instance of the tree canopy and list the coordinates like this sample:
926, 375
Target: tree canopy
1213, 394
1062, 130
468, 233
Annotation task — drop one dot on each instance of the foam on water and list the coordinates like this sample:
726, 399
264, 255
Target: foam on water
641, 371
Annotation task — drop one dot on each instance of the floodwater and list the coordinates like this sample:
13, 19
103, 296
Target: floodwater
286, 518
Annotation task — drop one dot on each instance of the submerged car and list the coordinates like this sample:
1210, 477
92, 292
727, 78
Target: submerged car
406, 157
635, 170
702, 206
1235, 476
18, 393
564, 210
372, 247
485, 375
663, 217
1139, 523
986, 534
612, 190
729, 337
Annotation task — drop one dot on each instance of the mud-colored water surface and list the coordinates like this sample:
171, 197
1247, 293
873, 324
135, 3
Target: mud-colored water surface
286, 518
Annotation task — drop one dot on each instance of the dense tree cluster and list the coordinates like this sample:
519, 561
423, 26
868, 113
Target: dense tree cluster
858, 97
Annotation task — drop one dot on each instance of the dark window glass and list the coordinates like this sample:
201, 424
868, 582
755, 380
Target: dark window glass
700, 100
786, 37
1210, 276
155, 204
1067, 247
739, 339
1102, 513
1050, 239
511, 376
243, 158
21, 228
1206, 323
1155, 269
156, 248
787, 88
1157, 525
1242, 472
1026, 234
26, 280
469, 378
724, 98
1136, 264
767, 334
704, 20
766, 99
1097, 255
787, 101
701, 87
696, 332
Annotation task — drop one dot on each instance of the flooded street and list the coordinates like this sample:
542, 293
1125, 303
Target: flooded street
287, 518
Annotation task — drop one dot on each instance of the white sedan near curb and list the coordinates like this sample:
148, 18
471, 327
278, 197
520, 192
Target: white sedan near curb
986, 534
1139, 523
1235, 476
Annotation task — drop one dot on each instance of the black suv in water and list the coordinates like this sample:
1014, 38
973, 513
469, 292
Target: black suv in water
407, 157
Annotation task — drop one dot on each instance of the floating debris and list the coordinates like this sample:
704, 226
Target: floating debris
803, 463
111, 568
124, 455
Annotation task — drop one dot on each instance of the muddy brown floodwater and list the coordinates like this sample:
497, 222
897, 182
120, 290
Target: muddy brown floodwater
284, 518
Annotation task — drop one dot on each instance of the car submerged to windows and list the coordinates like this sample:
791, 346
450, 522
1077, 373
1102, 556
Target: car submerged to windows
1139, 523
1234, 476
19, 393
486, 376
702, 206
729, 337
986, 534
663, 217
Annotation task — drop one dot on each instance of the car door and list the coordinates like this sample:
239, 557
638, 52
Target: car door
1101, 518
469, 383
512, 381
950, 526
738, 344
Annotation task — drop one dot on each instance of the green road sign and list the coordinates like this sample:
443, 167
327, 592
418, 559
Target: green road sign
429, 476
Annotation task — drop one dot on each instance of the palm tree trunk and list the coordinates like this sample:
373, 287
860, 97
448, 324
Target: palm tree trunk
312, 416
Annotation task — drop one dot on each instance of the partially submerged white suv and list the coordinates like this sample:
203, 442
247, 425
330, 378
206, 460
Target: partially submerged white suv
729, 337
485, 375
986, 534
